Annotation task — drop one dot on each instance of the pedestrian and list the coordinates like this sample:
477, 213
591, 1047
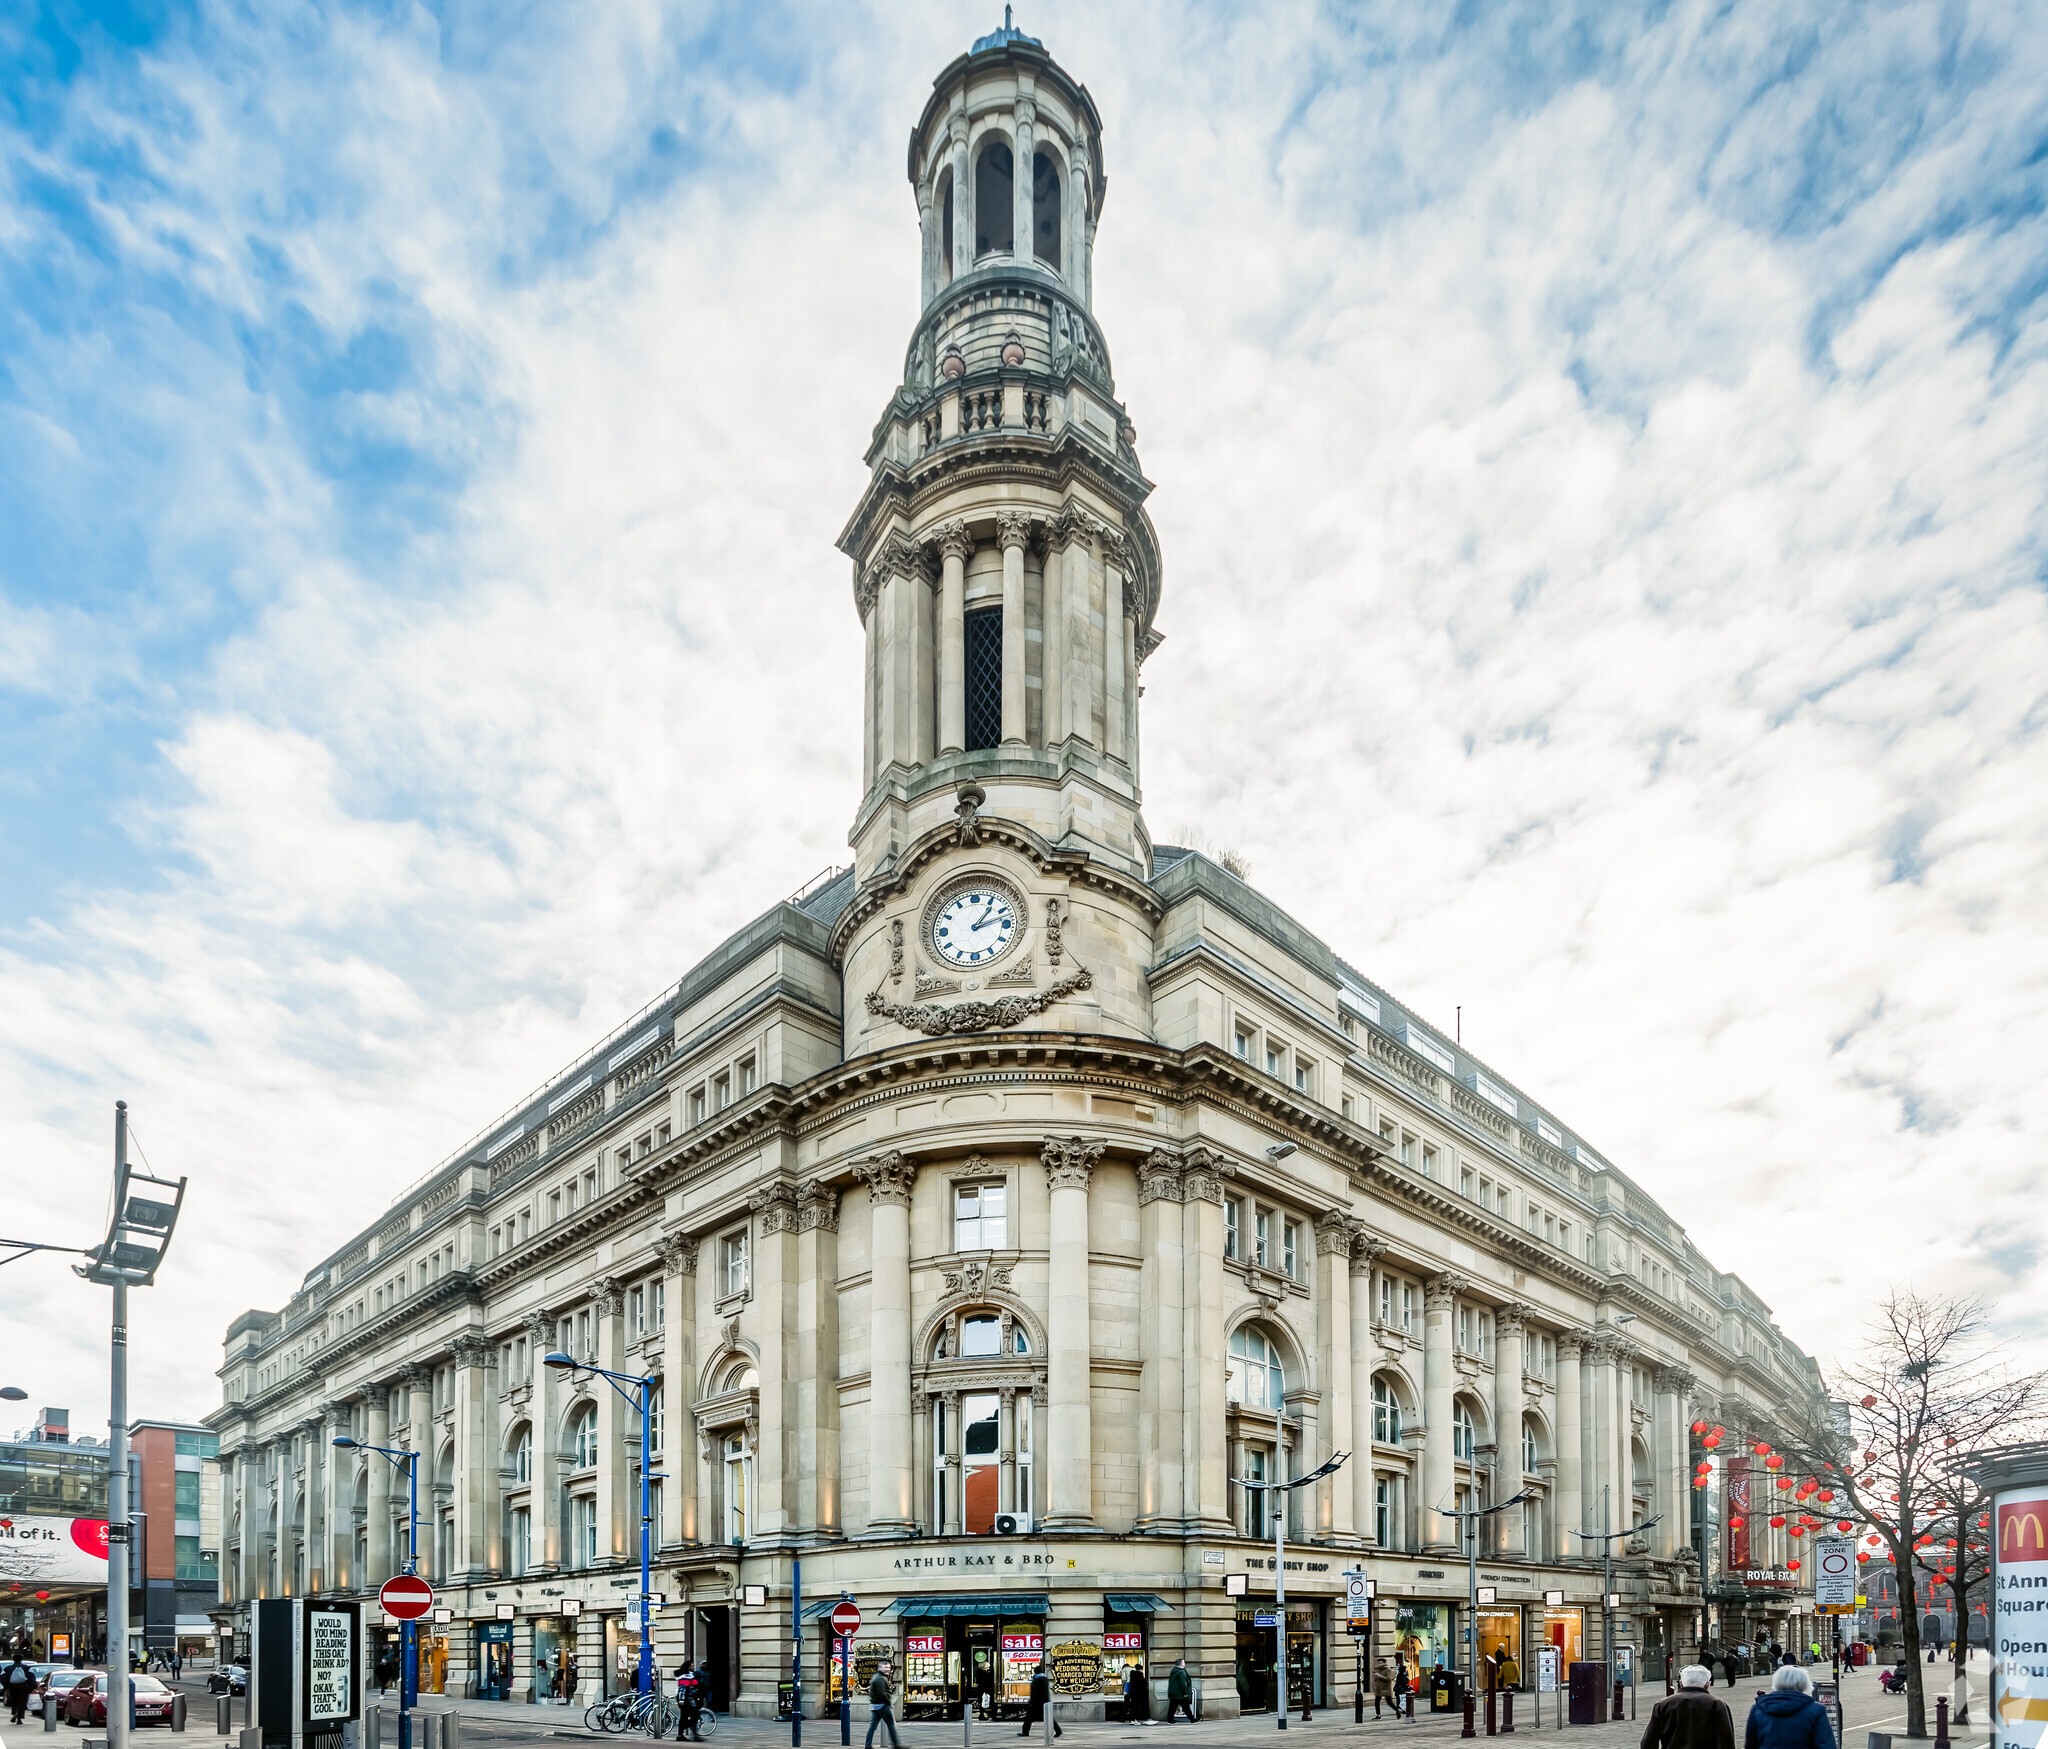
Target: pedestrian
1729, 1662
688, 1700
1692, 1718
1041, 1698
1788, 1717
1137, 1697
1180, 1692
20, 1682
1382, 1687
569, 1679
1509, 1673
880, 1712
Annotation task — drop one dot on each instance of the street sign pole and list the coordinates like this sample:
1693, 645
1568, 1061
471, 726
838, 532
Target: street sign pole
120, 1703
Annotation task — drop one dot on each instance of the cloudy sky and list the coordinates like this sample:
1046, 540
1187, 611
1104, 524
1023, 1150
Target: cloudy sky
1600, 457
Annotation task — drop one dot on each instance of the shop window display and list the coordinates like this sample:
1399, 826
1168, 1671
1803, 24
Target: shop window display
1566, 1629
1500, 1645
1422, 1637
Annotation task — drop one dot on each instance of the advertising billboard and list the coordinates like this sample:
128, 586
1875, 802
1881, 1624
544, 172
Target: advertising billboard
1736, 1506
2019, 1618
53, 1551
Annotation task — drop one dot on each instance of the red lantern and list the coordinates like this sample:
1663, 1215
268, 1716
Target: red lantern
42, 1597
1870, 1402
1863, 1554
1844, 1526
1774, 1462
1761, 1449
1736, 1521
1784, 1481
1826, 1496
1778, 1523
1793, 1565
1799, 1530
1712, 1442
1699, 1427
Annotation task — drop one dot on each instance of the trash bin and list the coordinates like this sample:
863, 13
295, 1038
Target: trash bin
1589, 1693
1446, 1691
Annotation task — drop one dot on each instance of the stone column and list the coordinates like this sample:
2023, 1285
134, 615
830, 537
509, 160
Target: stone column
956, 547
1014, 531
953, 1517
1509, 1331
867, 597
929, 235
1570, 1512
338, 1545
383, 1562
817, 1507
1115, 640
1365, 1251
618, 1433
1439, 1387
1600, 1350
478, 1485
1333, 1514
1052, 614
1074, 225
1070, 1448
1006, 1456
544, 1496
774, 1308
677, 1459
1022, 223
421, 1436
1161, 1396
1077, 639
963, 206
1674, 1494
889, 1178
1208, 1508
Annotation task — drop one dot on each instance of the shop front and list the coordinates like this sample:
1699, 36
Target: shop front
1123, 1652
622, 1654
1258, 1618
494, 1660
1500, 1648
970, 1652
1422, 1639
1565, 1628
554, 1641
433, 1655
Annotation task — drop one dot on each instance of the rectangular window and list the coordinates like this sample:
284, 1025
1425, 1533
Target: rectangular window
1290, 1253
747, 1074
1242, 1041
722, 1089
1262, 1227
526, 1223
1386, 1300
1276, 1061
1383, 1512
696, 1105
584, 1346
1468, 1183
980, 1217
658, 1293
1302, 1070
1349, 1108
1429, 1161
655, 1430
590, 1185
1407, 1149
583, 1530
662, 1135
733, 1249
554, 1206
982, 677
636, 1311
1233, 1219
185, 1492
1408, 1306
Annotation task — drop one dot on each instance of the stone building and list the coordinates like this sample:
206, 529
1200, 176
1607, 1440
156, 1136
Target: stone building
997, 1215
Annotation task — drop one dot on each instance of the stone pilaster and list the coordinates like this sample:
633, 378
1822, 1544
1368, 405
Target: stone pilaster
1333, 1512
382, 1554
1208, 1487
1365, 1252
478, 1485
817, 1503
338, 1539
1674, 1493
1014, 532
1439, 1389
1570, 1514
677, 1459
1163, 1338
774, 1322
548, 1533
889, 1178
1070, 1447
956, 547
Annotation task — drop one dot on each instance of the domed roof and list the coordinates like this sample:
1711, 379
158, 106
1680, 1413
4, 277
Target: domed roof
1001, 39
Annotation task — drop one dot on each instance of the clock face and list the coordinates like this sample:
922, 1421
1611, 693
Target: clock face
976, 925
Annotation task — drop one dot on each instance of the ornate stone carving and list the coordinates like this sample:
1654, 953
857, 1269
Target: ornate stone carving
896, 950
1366, 1250
931, 984
1571, 1344
729, 1331
1159, 1179
867, 590
817, 1208
1602, 1346
1013, 529
971, 1280
966, 823
977, 1016
1054, 947
1674, 1381
1072, 527
776, 1205
610, 1295
905, 558
888, 1177
1439, 1292
475, 1351
953, 541
1019, 974
1069, 1164
1511, 1319
1202, 1174
1334, 1233
678, 1254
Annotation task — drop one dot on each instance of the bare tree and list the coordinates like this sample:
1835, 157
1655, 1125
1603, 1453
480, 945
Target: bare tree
1888, 1432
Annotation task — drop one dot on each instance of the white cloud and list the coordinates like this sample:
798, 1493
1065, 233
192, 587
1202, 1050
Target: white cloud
1601, 591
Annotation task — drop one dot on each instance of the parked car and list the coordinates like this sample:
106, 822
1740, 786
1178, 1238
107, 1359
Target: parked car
227, 1679
61, 1679
86, 1702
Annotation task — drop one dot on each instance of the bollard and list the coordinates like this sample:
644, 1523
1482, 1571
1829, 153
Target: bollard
427, 1730
49, 1712
1507, 1708
1941, 1723
1306, 1715
223, 1721
178, 1705
1618, 1713
966, 1723
1411, 1705
1468, 1731
373, 1726
451, 1731
252, 1737
1492, 1713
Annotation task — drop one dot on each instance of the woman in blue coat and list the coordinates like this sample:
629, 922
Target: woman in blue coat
1788, 1717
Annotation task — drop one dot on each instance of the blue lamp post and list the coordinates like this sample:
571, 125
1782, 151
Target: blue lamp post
408, 1645
641, 1398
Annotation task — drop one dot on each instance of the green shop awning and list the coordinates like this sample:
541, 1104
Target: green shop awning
1136, 1603
1006, 1603
824, 1607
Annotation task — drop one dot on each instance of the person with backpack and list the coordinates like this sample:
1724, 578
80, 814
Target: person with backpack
20, 1682
1692, 1718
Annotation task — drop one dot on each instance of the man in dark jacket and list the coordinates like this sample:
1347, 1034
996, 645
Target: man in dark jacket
1788, 1717
1180, 1692
1041, 1698
1692, 1718
20, 1682
880, 1692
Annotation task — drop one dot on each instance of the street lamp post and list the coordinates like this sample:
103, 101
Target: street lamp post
1607, 1538
643, 1402
408, 1643
1279, 1490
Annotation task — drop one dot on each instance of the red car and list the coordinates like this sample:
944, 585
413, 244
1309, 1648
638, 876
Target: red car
86, 1703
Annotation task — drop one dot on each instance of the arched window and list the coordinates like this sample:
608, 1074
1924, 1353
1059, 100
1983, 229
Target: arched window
1529, 1446
1253, 1376
995, 201
522, 1455
583, 1440
654, 1421
740, 1376
1464, 1437
945, 204
981, 1336
1045, 209
1386, 1413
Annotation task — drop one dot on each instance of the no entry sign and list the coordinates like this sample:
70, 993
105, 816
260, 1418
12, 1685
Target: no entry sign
406, 1597
845, 1619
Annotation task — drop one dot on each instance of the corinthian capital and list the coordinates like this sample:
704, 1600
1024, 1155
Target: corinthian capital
1335, 1231
817, 1208
1441, 1291
888, 1177
1072, 527
1069, 1164
953, 541
678, 1254
1013, 529
1159, 1179
1511, 1319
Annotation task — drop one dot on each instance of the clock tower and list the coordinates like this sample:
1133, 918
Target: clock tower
1006, 577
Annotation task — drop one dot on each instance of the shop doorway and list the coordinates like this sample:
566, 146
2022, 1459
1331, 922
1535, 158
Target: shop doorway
715, 1654
494, 1660
1566, 1630
1255, 1625
1500, 1648
622, 1655
1304, 1655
